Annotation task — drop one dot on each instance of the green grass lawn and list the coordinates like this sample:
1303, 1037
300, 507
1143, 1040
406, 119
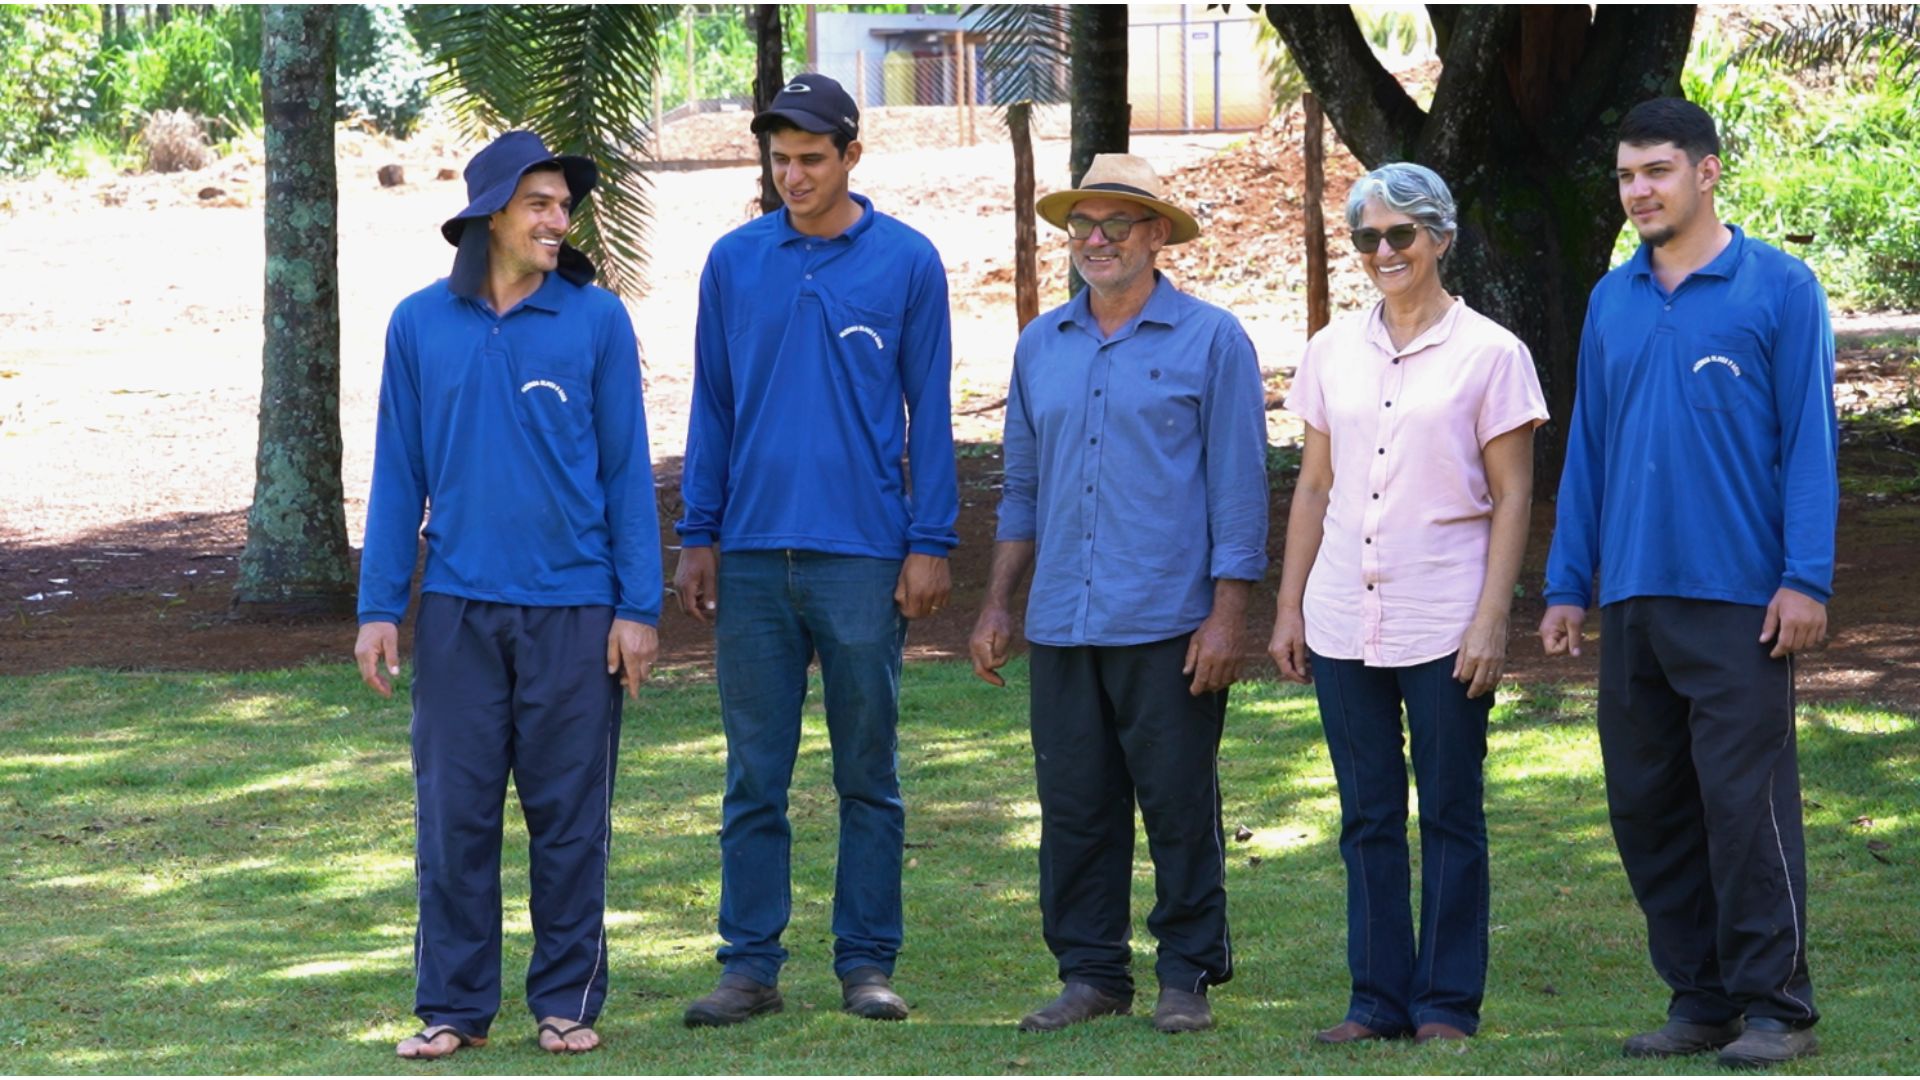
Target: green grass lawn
204, 873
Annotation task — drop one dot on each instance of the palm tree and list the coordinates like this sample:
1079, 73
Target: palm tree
1024, 62
1841, 34
582, 76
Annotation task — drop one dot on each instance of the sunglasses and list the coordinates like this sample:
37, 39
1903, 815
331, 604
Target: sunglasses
1115, 230
1400, 238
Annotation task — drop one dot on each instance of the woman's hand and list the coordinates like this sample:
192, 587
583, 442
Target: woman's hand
1483, 654
1288, 647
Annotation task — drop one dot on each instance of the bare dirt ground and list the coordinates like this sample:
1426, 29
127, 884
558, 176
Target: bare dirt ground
130, 355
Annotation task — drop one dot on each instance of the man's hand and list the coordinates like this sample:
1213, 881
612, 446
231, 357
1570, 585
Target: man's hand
924, 585
1288, 647
1560, 629
1795, 623
991, 644
378, 646
632, 648
696, 581
1213, 653
1483, 654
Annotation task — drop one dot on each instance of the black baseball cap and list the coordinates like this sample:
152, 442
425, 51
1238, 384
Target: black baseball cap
813, 103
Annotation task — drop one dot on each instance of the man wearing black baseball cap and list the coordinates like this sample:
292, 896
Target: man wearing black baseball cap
821, 356
510, 402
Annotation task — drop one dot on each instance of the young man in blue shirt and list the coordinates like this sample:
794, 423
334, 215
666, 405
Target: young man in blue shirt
1136, 490
510, 404
822, 353
1701, 484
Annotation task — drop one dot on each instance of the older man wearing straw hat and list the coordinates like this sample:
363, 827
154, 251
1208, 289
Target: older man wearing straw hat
1136, 493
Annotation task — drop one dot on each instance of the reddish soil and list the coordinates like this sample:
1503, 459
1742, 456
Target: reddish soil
162, 589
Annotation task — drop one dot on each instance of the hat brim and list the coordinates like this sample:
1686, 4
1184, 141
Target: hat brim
805, 121
581, 174
1054, 208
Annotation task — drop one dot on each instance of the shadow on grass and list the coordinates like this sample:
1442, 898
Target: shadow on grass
189, 857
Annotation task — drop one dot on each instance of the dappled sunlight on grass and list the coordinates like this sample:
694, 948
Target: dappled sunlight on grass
234, 854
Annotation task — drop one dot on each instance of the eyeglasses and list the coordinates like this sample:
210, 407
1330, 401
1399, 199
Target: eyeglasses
1400, 238
1115, 230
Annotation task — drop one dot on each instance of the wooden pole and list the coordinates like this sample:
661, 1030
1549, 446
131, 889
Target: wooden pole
1314, 224
1026, 244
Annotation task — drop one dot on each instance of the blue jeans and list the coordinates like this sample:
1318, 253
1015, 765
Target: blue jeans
1395, 986
776, 610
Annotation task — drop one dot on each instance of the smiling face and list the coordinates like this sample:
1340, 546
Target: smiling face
810, 173
1664, 192
526, 235
1401, 275
1112, 269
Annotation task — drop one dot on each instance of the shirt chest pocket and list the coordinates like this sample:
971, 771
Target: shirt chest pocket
551, 395
864, 343
1722, 373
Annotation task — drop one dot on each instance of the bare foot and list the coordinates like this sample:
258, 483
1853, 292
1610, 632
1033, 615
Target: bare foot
438, 1041
560, 1036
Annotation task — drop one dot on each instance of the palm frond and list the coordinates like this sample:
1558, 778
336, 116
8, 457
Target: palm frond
1025, 56
1841, 34
582, 76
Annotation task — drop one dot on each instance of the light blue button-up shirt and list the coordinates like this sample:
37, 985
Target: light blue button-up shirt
1137, 465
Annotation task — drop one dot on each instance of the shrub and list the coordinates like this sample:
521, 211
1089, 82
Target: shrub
382, 75
45, 91
174, 142
208, 65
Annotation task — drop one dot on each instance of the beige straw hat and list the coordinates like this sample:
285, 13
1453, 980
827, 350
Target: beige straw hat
1119, 176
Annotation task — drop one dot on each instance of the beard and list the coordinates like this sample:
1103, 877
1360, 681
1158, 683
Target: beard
1660, 236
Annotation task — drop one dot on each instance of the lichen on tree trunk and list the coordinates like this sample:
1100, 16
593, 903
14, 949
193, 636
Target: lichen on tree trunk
296, 559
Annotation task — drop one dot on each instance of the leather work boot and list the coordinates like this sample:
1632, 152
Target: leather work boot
1768, 1042
1678, 1038
736, 998
1078, 1002
1179, 1010
868, 992
1350, 1031
1435, 1031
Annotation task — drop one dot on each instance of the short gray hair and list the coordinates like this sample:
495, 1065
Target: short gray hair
1406, 188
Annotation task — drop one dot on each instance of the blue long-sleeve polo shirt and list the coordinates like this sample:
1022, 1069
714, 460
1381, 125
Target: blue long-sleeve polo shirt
1702, 458
1136, 463
805, 349
526, 435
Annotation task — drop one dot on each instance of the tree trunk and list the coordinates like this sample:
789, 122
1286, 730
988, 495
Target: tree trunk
767, 81
1100, 115
1026, 244
295, 563
1522, 129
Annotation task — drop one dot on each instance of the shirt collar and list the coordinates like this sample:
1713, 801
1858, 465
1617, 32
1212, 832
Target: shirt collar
549, 297
789, 234
1436, 334
1162, 306
1723, 265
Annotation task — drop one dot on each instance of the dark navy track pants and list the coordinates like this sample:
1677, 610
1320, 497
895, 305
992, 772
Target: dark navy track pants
1703, 785
501, 689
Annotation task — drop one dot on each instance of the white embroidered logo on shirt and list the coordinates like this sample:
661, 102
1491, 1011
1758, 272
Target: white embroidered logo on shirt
555, 387
867, 330
1717, 359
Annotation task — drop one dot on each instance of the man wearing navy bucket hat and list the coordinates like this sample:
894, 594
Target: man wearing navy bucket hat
510, 404
821, 355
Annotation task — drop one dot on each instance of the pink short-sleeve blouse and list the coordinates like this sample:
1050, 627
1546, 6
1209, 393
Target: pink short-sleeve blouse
1404, 550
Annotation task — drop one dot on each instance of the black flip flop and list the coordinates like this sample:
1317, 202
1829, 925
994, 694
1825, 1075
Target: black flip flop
426, 1035
561, 1034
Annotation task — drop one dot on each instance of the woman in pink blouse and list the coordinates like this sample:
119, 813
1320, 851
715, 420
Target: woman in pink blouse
1402, 549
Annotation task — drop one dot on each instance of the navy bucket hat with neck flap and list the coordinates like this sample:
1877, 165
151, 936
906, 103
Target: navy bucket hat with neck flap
492, 177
